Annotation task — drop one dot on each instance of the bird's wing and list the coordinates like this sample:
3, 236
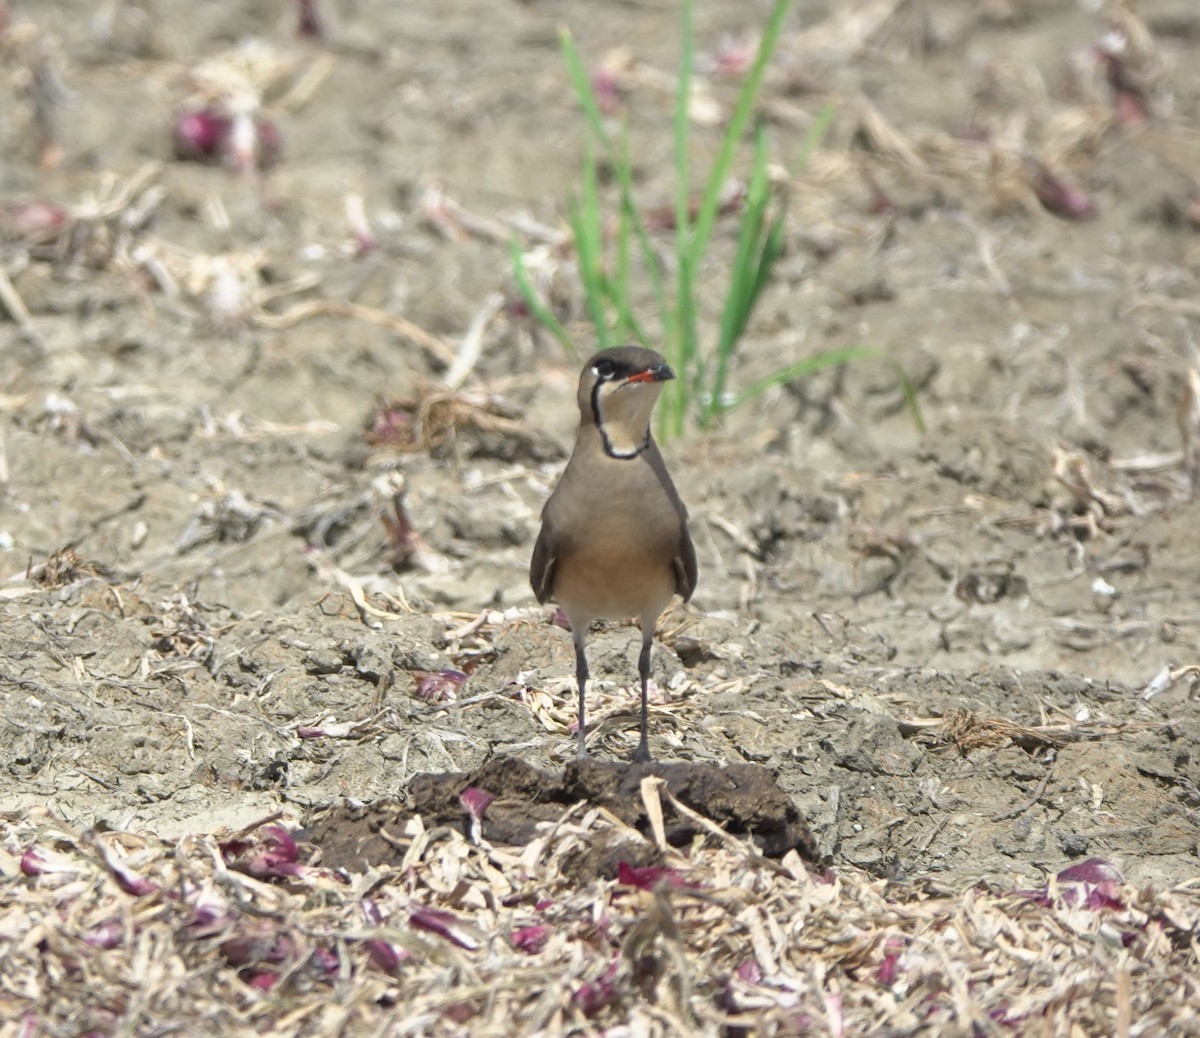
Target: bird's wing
541, 567
685, 563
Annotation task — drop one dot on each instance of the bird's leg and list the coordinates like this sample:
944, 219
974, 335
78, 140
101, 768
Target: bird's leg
642, 754
578, 633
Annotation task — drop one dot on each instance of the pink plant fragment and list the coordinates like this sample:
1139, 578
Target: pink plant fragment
439, 686
594, 995
33, 222
263, 980
243, 141
475, 802
531, 939
444, 924
749, 972
607, 87
1094, 870
889, 966
310, 23
33, 863
273, 855
385, 955
1094, 883
1061, 198
326, 961
107, 935
1129, 100
128, 880
734, 57
647, 877
372, 912
258, 943
209, 916
201, 135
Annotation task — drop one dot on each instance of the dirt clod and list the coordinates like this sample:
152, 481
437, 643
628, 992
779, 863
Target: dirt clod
743, 800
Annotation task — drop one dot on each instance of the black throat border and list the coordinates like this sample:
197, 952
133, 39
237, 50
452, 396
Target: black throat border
609, 449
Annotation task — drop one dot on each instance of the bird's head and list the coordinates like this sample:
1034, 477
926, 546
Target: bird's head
617, 393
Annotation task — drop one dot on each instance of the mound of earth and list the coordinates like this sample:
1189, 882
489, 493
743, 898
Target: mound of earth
693, 800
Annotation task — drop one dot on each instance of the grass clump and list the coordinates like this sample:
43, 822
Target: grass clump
609, 270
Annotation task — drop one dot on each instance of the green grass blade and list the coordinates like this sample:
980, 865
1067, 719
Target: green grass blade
772, 249
582, 85
582, 222
707, 213
808, 366
620, 285
755, 259
758, 246
746, 281
910, 396
734, 315
682, 134
541, 313
622, 170
683, 353
831, 359
816, 134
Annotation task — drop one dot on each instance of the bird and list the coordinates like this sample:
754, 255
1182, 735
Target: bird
614, 540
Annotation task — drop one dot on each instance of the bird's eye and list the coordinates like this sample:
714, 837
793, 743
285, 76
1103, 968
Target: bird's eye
604, 369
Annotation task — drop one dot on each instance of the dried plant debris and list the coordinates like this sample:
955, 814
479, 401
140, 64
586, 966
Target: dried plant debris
32, 66
989, 585
231, 517
1188, 417
476, 423
109, 230
438, 686
408, 549
62, 567
966, 730
1091, 498
101, 230
63, 417
1029, 145
224, 117
250, 933
182, 630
